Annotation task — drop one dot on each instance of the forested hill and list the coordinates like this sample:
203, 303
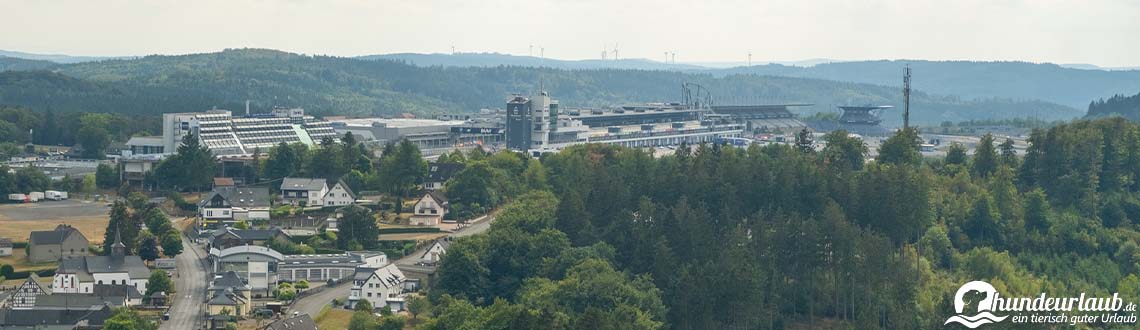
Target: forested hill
1016, 80
12, 63
1126, 106
345, 86
495, 59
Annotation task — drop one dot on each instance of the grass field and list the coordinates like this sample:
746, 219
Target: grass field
333, 319
19, 261
412, 236
17, 220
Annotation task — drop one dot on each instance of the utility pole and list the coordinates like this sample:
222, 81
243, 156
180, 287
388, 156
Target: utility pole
906, 98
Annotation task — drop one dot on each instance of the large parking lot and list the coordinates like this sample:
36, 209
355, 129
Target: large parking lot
17, 220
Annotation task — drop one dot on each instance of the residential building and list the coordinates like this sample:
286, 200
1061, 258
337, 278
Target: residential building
5, 246
53, 245
439, 173
303, 191
382, 287
435, 252
82, 274
430, 209
228, 291
228, 205
55, 317
339, 195
228, 237
299, 322
25, 295
127, 294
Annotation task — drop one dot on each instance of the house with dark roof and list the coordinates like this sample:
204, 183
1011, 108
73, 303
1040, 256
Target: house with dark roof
339, 195
52, 318
5, 246
299, 322
382, 287
430, 209
304, 191
225, 238
82, 274
434, 253
439, 173
228, 291
54, 245
230, 205
128, 294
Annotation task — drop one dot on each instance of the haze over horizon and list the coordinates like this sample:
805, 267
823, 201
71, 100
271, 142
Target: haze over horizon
1052, 31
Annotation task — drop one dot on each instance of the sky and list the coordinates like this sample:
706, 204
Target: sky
1099, 32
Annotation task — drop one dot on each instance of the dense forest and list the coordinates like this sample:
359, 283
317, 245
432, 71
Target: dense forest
778, 236
345, 86
1117, 105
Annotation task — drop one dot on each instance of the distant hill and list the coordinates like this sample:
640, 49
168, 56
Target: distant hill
1014, 80
20, 64
65, 59
1117, 105
347, 86
496, 59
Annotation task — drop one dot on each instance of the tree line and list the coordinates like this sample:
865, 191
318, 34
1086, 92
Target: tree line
777, 236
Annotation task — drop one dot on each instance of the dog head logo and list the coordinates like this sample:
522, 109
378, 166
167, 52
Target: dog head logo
979, 294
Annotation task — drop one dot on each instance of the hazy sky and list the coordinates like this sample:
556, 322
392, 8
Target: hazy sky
1101, 32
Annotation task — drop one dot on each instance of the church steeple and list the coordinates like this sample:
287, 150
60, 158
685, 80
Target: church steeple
118, 249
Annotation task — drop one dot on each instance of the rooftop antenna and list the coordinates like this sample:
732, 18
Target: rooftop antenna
906, 97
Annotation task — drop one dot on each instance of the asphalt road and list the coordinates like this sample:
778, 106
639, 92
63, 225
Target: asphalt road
312, 304
186, 311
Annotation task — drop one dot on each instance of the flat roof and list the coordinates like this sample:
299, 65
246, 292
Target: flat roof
397, 122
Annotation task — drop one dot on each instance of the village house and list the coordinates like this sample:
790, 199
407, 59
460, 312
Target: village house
434, 253
54, 245
429, 210
339, 195
303, 191
228, 292
439, 173
228, 205
25, 295
5, 247
383, 287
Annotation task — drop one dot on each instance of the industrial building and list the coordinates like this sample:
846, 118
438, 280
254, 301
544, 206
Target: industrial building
225, 134
432, 136
538, 125
862, 120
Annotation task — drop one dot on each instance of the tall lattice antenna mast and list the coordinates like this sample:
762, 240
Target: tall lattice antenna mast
906, 97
